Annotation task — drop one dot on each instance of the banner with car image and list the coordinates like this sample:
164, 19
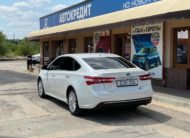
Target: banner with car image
147, 48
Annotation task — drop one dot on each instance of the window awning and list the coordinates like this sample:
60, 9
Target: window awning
158, 8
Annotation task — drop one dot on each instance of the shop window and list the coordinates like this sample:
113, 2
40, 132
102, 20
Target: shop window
103, 46
46, 53
102, 41
59, 49
89, 48
72, 45
46, 49
182, 47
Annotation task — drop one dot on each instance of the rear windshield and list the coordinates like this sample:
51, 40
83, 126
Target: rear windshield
99, 63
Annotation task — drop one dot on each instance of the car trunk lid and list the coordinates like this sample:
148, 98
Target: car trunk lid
125, 80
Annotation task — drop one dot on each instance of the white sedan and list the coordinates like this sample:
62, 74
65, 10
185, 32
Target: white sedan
87, 81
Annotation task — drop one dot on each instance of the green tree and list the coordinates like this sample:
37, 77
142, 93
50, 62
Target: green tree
3, 48
12, 48
27, 48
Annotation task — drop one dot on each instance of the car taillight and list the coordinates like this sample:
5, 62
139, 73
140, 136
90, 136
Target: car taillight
98, 80
145, 77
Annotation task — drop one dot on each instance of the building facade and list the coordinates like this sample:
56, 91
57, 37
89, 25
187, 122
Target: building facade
153, 34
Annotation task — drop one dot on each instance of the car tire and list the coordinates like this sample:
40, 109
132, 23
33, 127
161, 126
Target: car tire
73, 103
146, 65
41, 91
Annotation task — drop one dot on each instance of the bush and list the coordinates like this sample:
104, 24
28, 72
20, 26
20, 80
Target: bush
12, 48
3, 49
27, 48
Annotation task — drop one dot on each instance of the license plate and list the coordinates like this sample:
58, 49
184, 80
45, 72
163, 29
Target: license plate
127, 82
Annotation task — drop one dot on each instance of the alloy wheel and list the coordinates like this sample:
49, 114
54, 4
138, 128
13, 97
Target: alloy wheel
72, 101
40, 88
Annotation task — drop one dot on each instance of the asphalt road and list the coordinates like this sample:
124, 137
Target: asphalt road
24, 114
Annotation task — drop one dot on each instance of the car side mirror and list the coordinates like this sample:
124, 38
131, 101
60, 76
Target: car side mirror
45, 67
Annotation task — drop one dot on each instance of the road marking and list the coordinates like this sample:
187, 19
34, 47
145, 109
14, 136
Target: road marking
80, 132
24, 108
170, 131
29, 107
171, 107
162, 129
21, 89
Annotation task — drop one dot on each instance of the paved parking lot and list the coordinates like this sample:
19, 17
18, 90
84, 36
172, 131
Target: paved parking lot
24, 114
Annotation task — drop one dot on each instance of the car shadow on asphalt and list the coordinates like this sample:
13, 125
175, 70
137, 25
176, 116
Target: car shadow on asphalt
120, 116
8, 77
58, 103
126, 116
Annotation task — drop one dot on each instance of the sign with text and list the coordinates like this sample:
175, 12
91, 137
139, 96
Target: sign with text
88, 9
147, 48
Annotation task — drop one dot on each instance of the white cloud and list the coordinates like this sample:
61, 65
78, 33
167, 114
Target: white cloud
22, 17
39, 3
58, 7
22, 4
6, 9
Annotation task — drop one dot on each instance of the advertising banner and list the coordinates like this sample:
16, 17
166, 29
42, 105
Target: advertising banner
88, 9
147, 48
102, 41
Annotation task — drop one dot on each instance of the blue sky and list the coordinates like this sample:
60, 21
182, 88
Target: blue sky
20, 17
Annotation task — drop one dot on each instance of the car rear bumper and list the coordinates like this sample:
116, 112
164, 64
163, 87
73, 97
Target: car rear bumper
133, 102
92, 100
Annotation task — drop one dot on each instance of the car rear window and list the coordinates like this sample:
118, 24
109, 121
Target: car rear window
99, 63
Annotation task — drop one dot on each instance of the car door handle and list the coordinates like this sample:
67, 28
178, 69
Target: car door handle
67, 76
53, 76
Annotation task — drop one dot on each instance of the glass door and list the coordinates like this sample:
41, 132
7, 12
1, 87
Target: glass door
72, 46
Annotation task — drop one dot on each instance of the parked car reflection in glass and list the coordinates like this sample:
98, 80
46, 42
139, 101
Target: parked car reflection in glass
181, 55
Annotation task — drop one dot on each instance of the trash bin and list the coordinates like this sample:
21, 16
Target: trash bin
29, 62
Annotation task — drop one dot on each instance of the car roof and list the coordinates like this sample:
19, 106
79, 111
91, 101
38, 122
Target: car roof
89, 55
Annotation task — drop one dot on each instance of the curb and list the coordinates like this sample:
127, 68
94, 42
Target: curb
173, 101
14, 59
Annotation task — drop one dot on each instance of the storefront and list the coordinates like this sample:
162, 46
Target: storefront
156, 40
177, 54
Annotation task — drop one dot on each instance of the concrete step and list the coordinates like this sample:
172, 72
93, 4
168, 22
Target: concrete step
180, 98
13, 59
